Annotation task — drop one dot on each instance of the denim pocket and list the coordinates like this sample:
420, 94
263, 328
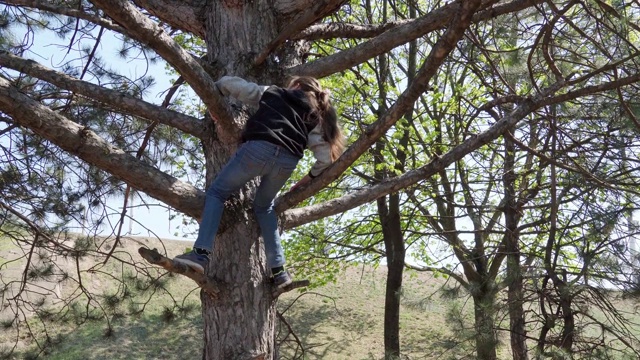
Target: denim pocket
285, 172
252, 161
286, 166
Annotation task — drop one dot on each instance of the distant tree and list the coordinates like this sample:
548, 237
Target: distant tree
74, 135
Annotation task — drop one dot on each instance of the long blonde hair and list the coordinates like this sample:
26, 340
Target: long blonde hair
323, 111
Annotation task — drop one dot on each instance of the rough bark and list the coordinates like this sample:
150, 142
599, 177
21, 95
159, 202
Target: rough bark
185, 15
318, 10
345, 31
241, 324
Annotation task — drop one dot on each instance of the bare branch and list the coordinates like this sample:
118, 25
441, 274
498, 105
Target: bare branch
342, 30
148, 32
118, 100
88, 146
458, 277
296, 284
208, 285
34, 227
451, 237
576, 169
396, 36
591, 89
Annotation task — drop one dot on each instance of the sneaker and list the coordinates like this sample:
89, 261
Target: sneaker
282, 279
195, 261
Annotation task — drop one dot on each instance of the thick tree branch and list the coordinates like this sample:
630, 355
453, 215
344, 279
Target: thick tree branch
296, 217
438, 53
88, 146
317, 11
186, 15
296, 284
300, 216
116, 99
74, 13
342, 30
396, 36
288, 8
147, 32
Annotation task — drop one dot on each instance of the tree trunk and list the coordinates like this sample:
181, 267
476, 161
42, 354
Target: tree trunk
486, 338
395, 254
515, 300
240, 323
389, 215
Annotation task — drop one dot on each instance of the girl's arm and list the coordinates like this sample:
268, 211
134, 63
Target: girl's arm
321, 151
245, 91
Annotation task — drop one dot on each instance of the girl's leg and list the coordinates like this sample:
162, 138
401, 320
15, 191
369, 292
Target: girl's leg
270, 184
238, 171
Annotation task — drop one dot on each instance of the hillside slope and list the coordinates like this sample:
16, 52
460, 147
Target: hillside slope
342, 320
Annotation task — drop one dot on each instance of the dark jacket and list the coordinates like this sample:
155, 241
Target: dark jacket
279, 119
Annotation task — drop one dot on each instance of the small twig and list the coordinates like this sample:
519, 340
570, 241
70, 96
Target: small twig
291, 332
89, 61
312, 293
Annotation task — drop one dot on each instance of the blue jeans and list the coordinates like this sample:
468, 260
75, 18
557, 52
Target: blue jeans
274, 165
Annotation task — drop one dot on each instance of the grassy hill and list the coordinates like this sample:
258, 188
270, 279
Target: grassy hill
343, 320
338, 321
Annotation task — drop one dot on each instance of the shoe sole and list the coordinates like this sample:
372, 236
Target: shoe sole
194, 265
285, 284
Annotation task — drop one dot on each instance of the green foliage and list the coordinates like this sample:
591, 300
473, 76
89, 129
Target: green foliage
309, 255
